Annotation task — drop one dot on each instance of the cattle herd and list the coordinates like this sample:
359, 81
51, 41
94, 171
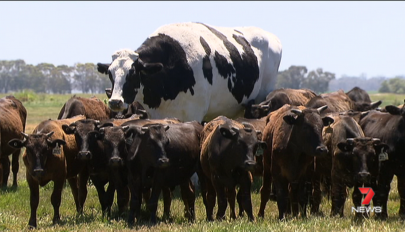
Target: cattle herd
298, 142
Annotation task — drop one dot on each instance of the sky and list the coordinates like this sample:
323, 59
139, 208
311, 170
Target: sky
343, 37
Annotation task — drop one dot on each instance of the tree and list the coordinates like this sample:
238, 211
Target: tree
291, 78
318, 80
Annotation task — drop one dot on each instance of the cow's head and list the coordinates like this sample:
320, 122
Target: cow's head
113, 139
149, 143
84, 138
364, 106
125, 73
240, 145
307, 129
361, 156
395, 110
256, 110
39, 147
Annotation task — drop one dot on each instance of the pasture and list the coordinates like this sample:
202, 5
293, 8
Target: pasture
15, 209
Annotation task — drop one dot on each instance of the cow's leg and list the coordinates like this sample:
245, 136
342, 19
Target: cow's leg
134, 184
73, 182
34, 200
281, 185
239, 198
244, 193
15, 166
357, 197
122, 199
316, 196
83, 178
265, 190
231, 195
56, 199
167, 202
294, 191
303, 195
188, 195
401, 191
383, 189
211, 197
99, 184
221, 197
154, 197
5, 161
339, 195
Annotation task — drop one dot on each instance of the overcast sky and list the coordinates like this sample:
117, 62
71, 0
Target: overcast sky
345, 38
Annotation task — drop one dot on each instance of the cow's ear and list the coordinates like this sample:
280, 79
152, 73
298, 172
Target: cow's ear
55, 142
375, 104
16, 143
143, 114
108, 92
69, 129
381, 148
327, 121
290, 119
103, 68
393, 110
262, 145
228, 133
345, 146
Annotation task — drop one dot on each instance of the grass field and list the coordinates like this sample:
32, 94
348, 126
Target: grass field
15, 210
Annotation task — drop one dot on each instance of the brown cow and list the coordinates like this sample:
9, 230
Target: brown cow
293, 136
361, 99
339, 101
46, 161
278, 98
227, 157
13, 117
91, 107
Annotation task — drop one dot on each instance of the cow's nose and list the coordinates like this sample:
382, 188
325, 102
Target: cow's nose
321, 150
38, 172
116, 162
163, 162
363, 176
84, 155
250, 165
115, 104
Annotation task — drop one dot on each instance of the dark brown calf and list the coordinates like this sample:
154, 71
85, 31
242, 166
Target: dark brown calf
50, 155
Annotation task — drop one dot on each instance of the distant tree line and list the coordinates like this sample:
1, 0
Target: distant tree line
16, 75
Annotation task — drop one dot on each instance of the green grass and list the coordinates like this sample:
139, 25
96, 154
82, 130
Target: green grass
15, 209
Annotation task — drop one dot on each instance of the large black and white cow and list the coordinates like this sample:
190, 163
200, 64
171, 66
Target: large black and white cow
194, 71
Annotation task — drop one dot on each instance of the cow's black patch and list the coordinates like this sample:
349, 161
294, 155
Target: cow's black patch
207, 67
175, 76
244, 69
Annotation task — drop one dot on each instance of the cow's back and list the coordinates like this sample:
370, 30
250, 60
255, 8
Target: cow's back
92, 108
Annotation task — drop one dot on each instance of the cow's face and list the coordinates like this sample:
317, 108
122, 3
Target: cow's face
125, 73
84, 138
361, 156
364, 106
307, 126
256, 111
113, 138
149, 143
241, 143
39, 147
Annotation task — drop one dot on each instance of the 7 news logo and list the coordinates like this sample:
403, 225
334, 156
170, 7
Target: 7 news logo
369, 195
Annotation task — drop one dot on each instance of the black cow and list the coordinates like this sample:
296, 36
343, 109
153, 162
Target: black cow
92, 150
390, 128
227, 157
361, 99
162, 155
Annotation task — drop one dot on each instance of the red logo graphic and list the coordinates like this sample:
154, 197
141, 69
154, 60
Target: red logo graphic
369, 196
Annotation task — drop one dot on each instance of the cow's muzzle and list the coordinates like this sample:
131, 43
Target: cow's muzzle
363, 177
249, 165
163, 163
84, 155
116, 105
38, 172
321, 150
116, 162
